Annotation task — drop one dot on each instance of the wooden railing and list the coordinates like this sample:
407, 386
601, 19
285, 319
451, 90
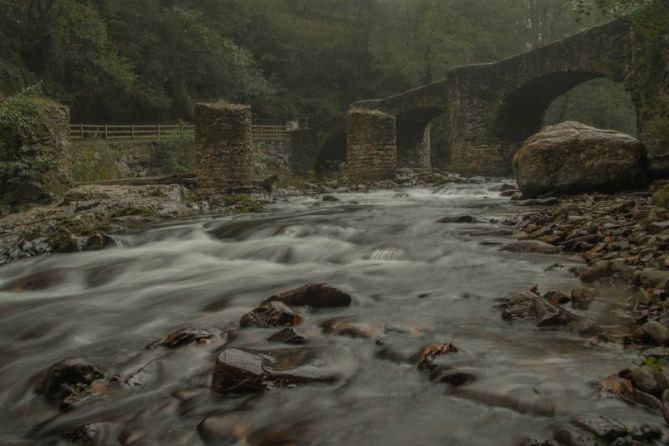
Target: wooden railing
262, 130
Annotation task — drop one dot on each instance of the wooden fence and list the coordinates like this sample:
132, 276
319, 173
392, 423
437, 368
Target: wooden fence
262, 130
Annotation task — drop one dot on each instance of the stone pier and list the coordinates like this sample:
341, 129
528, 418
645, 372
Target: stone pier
224, 148
45, 147
372, 145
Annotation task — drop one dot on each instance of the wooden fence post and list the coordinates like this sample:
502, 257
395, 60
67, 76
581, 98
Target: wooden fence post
132, 132
158, 131
106, 132
81, 131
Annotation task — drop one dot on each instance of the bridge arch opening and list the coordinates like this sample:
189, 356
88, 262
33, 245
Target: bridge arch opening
600, 103
332, 154
525, 111
414, 146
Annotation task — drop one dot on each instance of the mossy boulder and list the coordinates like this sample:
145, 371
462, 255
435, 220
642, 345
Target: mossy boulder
572, 158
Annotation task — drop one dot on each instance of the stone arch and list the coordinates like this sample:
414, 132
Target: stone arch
522, 111
413, 137
331, 154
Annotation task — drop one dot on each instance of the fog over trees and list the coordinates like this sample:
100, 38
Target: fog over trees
151, 60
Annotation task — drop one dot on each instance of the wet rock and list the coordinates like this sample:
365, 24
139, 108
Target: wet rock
35, 282
314, 296
535, 442
556, 298
582, 297
531, 246
239, 371
653, 278
288, 336
538, 407
568, 435
462, 219
270, 314
82, 435
525, 306
183, 337
602, 427
454, 377
540, 202
330, 198
69, 381
649, 380
653, 333
615, 272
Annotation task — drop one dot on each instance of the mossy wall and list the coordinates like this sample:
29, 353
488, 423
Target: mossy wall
35, 163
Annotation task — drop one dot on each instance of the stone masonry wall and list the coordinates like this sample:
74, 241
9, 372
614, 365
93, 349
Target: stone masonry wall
372, 145
47, 149
224, 148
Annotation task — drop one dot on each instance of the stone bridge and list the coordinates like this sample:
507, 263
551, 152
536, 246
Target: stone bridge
492, 108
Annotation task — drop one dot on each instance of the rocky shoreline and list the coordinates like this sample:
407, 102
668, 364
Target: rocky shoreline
623, 241
89, 216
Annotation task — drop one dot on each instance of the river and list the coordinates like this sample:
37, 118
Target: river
421, 281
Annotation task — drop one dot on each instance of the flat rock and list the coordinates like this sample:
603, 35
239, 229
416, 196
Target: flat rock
313, 295
238, 371
531, 246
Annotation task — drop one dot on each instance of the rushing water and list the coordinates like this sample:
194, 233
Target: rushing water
388, 249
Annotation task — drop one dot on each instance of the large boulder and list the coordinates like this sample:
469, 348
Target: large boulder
573, 158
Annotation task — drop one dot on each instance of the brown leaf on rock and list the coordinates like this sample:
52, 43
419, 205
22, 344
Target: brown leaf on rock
615, 385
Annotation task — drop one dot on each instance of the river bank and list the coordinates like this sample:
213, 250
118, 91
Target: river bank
88, 216
195, 331
622, 239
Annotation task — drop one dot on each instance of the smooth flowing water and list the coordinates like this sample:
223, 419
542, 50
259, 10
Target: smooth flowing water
420, 281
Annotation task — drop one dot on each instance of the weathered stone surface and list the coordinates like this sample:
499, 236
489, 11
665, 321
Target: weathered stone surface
69, 381
270, 314
572, 157
372, 149
239, 371
314, 295
224, 149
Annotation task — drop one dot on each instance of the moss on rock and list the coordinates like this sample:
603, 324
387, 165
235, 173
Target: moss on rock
661, 197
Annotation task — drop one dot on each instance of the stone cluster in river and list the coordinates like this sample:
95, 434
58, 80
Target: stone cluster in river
225, 373
624, 240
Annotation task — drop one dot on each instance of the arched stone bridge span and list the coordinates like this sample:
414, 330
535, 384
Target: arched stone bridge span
492, 108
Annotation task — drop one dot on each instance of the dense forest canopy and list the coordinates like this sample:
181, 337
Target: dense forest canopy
151, 60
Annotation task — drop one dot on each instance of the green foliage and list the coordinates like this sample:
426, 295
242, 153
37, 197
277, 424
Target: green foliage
21, 158
601, 103
99, 160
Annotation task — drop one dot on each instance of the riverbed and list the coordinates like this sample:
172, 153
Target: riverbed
416, 280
